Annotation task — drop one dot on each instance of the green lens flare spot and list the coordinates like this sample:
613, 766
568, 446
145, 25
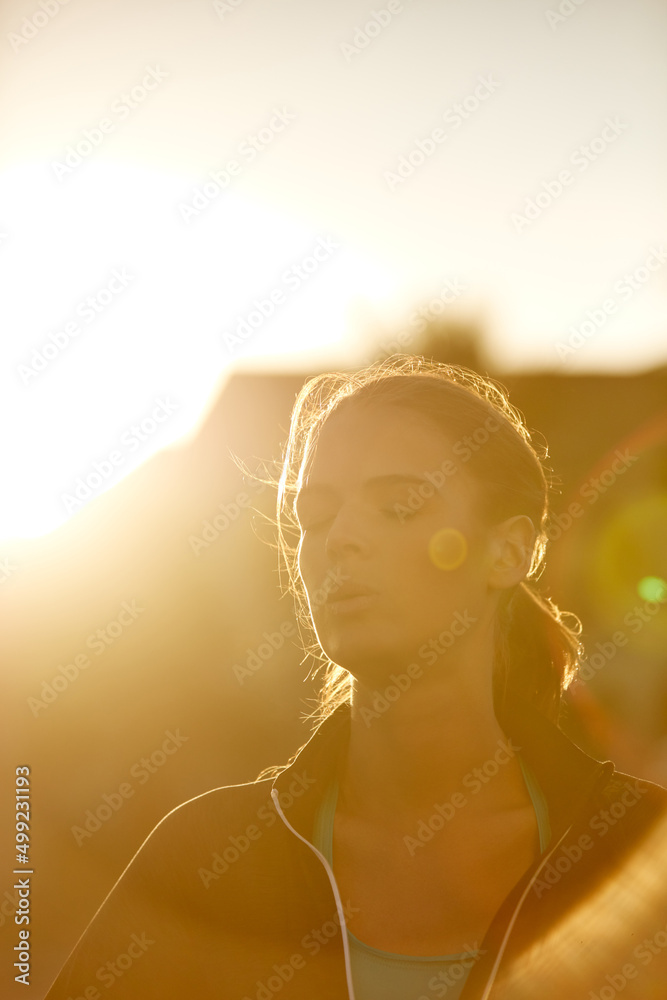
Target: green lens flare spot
447, 549
652, 588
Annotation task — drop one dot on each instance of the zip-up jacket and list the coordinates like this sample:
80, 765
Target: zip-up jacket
228, 898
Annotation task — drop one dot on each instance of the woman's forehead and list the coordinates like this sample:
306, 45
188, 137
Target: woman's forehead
377, 439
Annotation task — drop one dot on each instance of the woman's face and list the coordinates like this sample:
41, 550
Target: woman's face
364, 522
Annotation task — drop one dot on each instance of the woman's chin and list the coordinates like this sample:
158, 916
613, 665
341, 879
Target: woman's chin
369, 662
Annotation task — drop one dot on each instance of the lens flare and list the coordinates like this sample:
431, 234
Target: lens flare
447, 549
652, 588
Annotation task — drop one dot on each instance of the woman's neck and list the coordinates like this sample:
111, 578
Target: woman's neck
433, 740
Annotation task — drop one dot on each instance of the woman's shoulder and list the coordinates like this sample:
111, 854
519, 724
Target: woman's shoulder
213, 841
626, 786
625, 809
211, 815
232, 798
192, 845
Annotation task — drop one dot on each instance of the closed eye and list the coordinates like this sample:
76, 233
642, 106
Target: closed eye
398, 512
394, 512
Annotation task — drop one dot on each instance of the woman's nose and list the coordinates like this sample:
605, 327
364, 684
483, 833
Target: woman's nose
349, 531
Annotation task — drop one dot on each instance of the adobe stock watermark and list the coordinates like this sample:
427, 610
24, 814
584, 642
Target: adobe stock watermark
224, 7
644, 953
99, 642
255, 659
7, 569
430, 651
273, 641
9, 907
248, 150
474, 780
605, 651
563, 861
365, 33
291, 281
104, 469
453, 117
236, 846
111, 802
623, 290
122, 108
454, 973
312, 942
318, 938
32, 25
464, 449
617, 981
581, 158
419, 318
227, 514
565, 9
114, 969
591, 491
88, 309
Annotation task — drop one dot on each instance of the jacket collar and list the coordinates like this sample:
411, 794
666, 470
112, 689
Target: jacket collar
566, 774
301, 786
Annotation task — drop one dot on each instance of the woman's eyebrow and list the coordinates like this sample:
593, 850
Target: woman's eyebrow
395, 479
391, 479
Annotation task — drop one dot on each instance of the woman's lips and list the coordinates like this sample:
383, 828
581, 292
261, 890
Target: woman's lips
350, 601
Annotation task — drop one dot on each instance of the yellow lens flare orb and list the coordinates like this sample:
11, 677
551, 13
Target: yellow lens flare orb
653, 588
447, 549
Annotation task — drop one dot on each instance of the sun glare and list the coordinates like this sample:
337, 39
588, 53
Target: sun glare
125, 314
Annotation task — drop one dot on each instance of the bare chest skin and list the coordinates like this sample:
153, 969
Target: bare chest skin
439, 898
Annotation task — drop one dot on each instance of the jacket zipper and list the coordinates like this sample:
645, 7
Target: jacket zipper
332, 880
503, 944
603, 773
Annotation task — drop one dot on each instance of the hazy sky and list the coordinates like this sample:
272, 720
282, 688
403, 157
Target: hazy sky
491, 158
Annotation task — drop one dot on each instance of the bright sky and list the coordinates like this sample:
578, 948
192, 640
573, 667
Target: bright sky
367, 164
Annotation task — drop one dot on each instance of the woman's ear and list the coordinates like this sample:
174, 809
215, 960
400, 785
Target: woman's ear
511, 547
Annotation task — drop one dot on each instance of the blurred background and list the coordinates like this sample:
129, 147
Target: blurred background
202, 204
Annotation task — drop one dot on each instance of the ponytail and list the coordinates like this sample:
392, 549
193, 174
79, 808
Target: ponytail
537, 652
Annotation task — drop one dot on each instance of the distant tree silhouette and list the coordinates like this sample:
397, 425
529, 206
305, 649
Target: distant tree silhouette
456, 341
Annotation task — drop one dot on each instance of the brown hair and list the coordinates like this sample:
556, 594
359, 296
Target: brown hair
537, 651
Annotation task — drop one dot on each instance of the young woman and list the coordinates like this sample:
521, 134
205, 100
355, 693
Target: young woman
438, 835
